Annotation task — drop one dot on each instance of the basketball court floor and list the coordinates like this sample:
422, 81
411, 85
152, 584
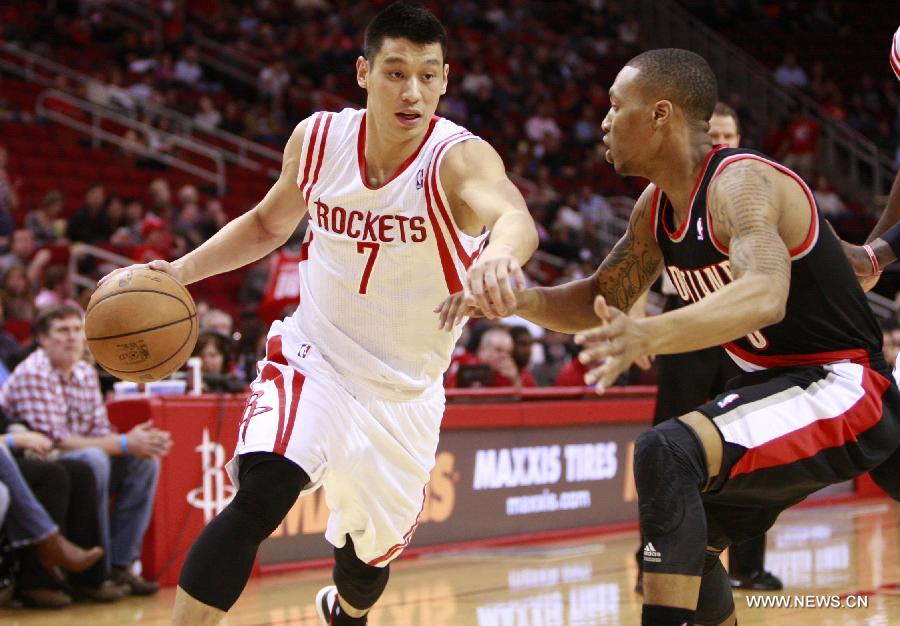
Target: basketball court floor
843, 559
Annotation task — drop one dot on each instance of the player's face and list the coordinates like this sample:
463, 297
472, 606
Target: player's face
64, 341
723, 130
628, 124
404, 82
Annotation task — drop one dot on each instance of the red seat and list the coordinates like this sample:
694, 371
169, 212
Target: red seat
19, 329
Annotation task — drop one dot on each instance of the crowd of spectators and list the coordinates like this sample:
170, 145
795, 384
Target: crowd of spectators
549, 76
834, 52
529, 77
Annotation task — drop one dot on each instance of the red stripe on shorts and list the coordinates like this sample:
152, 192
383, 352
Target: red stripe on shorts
409, 533
269, 372
296, 387
279, 387
822, 434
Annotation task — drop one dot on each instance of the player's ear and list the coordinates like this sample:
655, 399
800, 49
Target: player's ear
362, 72
662, 112
446, 74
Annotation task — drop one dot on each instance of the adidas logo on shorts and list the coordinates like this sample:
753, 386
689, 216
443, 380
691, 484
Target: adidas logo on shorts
651, 554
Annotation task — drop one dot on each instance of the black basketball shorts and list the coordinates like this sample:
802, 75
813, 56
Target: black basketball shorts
790, 432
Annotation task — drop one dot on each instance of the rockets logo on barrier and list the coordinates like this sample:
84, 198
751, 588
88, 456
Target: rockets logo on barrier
215, 491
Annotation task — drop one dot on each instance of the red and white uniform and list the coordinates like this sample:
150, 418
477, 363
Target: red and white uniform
350, 388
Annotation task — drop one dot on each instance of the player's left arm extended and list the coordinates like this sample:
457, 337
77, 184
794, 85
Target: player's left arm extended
883, 243
481, 195
743, 203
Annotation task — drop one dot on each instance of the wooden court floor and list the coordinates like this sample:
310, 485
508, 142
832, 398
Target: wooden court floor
847, 555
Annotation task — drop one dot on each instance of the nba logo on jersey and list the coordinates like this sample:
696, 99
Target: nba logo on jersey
419, 178
699, 229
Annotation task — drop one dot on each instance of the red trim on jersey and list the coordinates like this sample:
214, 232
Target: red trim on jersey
858, 355
310, 150
678, 235
304, 247
453, 283
451, 227
321, 155
822, 434
450, 276
654, 212
811, 235
361, 151
480, 249
397, 547
281, 443
273, 350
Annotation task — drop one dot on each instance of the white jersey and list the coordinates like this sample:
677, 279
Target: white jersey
375, 262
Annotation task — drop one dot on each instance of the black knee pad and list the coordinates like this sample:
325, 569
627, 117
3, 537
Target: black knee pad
669, 470
219, 562
269, 485
360, 584
716, 601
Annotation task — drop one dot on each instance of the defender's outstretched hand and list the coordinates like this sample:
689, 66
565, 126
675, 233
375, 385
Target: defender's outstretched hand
454, 308
611, 347
488, 282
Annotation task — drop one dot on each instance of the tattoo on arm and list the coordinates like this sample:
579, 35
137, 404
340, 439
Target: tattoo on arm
632, 265
743, 206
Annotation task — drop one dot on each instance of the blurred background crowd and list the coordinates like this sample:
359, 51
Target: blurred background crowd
530, 77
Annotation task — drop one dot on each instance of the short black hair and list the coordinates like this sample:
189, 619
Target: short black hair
682, 76
409, 20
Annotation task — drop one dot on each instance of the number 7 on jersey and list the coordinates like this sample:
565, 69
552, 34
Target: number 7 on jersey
373, 249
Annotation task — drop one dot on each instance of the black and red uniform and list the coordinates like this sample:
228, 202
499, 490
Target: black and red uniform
816, 404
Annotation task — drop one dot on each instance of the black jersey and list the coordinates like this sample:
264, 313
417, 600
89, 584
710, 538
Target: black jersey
827, 318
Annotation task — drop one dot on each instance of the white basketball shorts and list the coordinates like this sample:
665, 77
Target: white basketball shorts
372, 455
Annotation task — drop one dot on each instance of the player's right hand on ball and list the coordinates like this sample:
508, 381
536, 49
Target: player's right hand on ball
160, 266
454, 308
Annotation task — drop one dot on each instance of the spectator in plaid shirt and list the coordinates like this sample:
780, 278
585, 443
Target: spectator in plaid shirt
56, 393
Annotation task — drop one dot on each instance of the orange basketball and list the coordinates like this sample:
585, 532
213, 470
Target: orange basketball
141, 326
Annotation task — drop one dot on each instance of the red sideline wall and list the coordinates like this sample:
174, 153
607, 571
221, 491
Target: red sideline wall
511, 466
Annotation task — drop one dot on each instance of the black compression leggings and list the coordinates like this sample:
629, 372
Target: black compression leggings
219, 562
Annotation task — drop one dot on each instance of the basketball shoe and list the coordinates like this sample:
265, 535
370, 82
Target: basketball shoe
325, 601
328, 610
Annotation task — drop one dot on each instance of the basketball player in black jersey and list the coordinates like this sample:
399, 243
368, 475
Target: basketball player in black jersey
743, 242
688, 380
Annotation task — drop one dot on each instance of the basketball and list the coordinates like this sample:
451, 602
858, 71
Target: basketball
141, 326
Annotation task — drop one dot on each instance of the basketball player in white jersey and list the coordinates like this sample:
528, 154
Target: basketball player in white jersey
349, 395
